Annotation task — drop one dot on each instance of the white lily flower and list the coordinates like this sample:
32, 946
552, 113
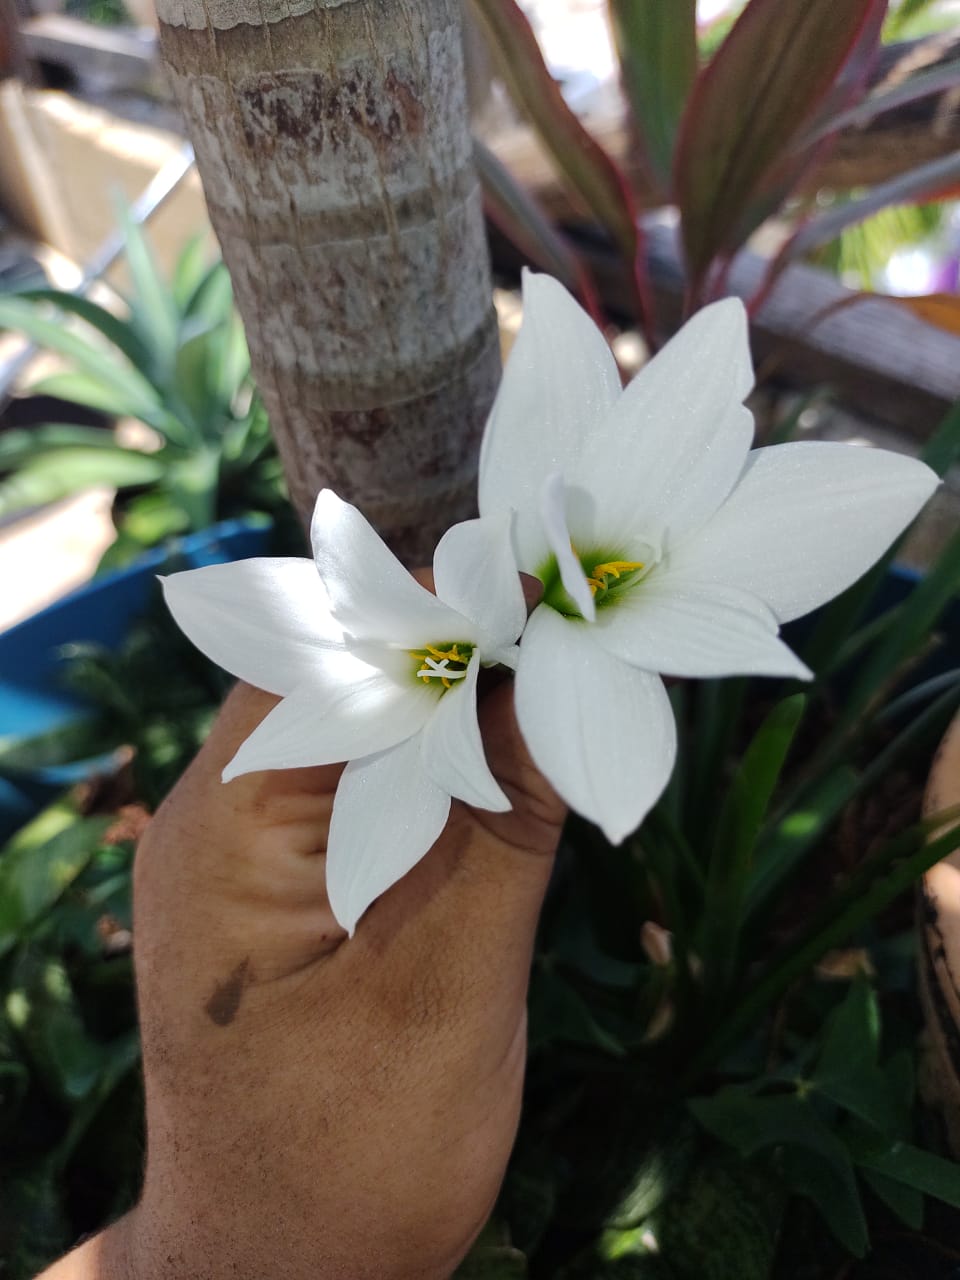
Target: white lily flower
371, 668
664, 544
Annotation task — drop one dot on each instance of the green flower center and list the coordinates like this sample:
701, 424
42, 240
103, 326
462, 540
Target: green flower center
440, 665
608, 577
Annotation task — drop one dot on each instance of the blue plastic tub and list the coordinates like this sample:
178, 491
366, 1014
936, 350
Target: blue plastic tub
32, 697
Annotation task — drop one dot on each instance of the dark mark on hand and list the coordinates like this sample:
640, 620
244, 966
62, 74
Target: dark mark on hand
222, 1006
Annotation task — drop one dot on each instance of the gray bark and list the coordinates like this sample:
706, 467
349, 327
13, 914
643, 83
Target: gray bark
332, 140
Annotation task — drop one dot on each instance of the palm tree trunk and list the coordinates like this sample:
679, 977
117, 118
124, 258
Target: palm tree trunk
332, 140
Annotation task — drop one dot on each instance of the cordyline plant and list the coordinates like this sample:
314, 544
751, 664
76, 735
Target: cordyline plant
730, 143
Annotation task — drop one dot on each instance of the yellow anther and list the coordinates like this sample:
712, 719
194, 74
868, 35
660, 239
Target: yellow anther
614, 568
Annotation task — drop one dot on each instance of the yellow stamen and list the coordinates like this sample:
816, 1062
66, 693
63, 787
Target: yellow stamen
614, 569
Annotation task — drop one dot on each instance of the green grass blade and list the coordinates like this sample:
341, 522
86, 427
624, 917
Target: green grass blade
811, 815
120, 333
897, 866
99, 364
20, 446
739, 823
154, 311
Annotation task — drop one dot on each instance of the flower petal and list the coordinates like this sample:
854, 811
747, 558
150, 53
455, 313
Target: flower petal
372, 595
676, 441
805, 522
561, 379
695, 631
601, 731
475, 573
553, 497
386, 815
453, 751
264, 620
327, 726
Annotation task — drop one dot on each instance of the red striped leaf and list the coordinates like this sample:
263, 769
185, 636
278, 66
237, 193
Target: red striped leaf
656, 42
778, 67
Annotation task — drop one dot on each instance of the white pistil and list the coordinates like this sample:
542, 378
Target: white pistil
433, 670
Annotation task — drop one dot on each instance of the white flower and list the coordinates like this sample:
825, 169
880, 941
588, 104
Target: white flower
372, 668
664, 544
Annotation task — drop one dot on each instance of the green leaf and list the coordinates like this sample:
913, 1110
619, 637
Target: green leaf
34, 1228
42, 1009
492, 1257
212, 300
67, 471
656, 41
872, 887
814, 1160
101, 366
831, 787
942, 450
154, 312
906, 20
906, 1202
87, 389
851, 1043
21, 446
191, 267
751, 103
192, 485
923, 1170
558, 1013
798, 832
916, 621
833, 1189
119, 333
151, 517
847, 1072
580, 158
76, 740
738, 825
837, 620
233, 365
36, 866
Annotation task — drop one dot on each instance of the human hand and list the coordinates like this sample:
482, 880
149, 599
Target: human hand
318, 1106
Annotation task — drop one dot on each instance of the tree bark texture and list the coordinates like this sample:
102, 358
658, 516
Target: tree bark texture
333, 144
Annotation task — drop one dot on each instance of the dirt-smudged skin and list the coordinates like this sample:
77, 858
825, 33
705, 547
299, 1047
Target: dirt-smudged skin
333, 144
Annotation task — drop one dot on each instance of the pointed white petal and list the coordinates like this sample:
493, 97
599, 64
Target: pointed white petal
263, 620
676, 441
386, 814
452, 750
372, 595
601, 731
327, 726
553, 515
700, 631
805, 522
475, 573
560, 381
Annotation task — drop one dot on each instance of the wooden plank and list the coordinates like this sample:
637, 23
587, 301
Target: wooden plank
880, 360
12, 62
110, 55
